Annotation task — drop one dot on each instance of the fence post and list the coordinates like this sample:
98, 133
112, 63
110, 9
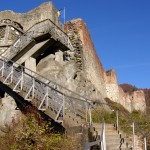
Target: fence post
90, 116
104, 137
133, 126
145, 144
117, 120
22, 75
63, 107
33, 81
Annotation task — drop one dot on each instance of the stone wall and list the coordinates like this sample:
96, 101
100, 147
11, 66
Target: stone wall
132, 101
44, 11
112, 91
62, 66
92, 67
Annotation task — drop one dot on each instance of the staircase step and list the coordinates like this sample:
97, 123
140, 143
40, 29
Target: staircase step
99, 125
111, 146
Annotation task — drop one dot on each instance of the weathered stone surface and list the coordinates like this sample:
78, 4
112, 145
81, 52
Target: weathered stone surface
8, 112
92, 67
44, 11
111, 83
78, 69
133, 101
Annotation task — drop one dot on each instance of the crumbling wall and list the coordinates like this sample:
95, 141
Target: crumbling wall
132, 101
92, 67
44, 11
112, 91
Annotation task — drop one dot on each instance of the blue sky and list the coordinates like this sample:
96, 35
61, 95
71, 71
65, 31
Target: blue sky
120, 30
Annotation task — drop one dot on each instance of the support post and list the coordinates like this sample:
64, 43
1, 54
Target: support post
86, 111
145, 143
2, 69
133, 126
63, 107
10, 75
117, 120
31, 90
90, 116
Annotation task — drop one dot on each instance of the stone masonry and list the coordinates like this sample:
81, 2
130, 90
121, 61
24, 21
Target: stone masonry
78, 69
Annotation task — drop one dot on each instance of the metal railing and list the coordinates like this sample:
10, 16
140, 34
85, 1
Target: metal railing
133, 125
49, 96
38, 29
100, 142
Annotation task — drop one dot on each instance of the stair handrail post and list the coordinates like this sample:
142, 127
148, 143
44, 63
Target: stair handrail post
145, 143
86, 106
63, 106
90, 115
22, 79
10, 75
133, 128
3, 68
12, 71
33, 80
47, 93
103, 137
117, 120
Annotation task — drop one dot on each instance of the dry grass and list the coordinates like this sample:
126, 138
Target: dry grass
32, 134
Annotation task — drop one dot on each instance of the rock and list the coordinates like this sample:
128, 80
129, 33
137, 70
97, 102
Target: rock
8, 112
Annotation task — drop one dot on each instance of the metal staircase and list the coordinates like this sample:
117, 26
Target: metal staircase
46, 95
62, 105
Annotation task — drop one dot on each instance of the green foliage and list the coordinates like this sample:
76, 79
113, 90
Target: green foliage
99, 114
29, 134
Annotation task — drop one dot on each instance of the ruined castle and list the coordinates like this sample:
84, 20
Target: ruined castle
77, 68
55, 68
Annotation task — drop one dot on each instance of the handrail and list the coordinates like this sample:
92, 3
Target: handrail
49, 95
101, 142
121, 142
103, 138
31, 32
47, 82
126, 114
131, 120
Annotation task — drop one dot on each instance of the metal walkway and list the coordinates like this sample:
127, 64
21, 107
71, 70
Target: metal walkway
35, 33
46, 95
49, 97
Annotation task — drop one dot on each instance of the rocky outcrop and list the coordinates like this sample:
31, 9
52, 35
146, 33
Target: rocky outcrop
8, 112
